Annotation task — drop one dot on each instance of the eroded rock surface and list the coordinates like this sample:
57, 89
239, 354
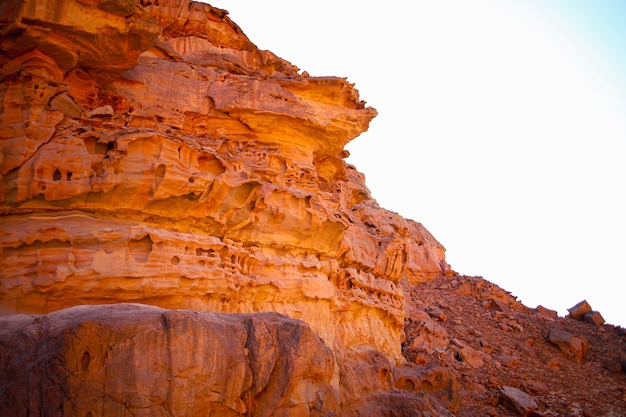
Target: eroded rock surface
131, 359
151, 153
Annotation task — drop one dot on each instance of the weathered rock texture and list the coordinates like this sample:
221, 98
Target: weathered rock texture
181, 236
153, 154
130, 359
150, 153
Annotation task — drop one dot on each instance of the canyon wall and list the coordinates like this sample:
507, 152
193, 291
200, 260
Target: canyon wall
150, 153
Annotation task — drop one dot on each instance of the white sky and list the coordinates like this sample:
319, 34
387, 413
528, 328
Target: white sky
501, 128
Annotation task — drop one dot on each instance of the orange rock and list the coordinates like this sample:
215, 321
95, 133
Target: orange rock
153, 154
470, 356
437, 382
521, 402
125, 359
593, 317
547, 312
428, 336
578, 311
572, 346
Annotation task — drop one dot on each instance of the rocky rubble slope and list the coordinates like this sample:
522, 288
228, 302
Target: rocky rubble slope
181, 235
511, 360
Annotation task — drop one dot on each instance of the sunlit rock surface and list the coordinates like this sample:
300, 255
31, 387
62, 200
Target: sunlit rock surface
151, 153
130, 359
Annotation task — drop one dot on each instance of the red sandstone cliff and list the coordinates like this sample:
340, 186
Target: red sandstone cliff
151, 154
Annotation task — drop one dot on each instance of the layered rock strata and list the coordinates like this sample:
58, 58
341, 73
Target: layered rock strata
154, 154
151, 153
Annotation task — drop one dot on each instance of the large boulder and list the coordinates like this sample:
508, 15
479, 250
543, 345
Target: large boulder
148, 361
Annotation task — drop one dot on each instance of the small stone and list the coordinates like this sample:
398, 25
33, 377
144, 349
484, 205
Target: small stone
429, 336
495, 304
471, 357
508, 361
418, 316
66, 105
479, 388
504, 327
104, 111
579, 310
593, 317
572, 346
523, 403
553, 363
547, 312
457, 342
536, 386
437, 313
493, 382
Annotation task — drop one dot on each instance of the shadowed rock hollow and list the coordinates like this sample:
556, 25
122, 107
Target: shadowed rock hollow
181, 236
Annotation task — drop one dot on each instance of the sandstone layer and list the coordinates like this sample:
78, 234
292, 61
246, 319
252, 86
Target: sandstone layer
181, 236
151, 153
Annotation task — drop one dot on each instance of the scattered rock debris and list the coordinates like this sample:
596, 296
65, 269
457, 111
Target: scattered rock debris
510, 360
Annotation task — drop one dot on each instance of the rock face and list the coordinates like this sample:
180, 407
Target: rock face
151, 153
181, 236
140, 357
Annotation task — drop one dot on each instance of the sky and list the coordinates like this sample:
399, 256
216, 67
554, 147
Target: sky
501, 128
